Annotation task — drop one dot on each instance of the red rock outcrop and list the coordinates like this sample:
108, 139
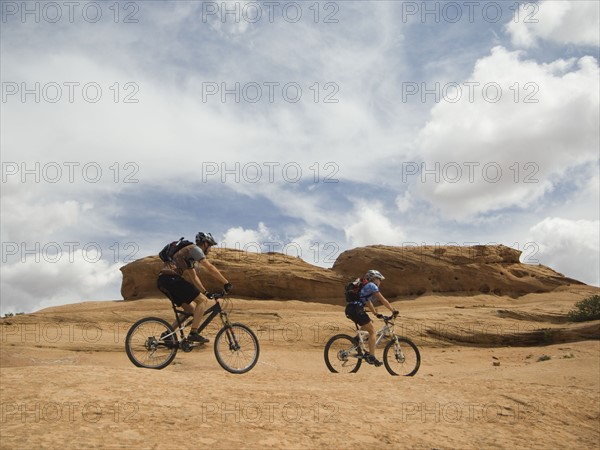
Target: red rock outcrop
451, 269
409, 271
253, 275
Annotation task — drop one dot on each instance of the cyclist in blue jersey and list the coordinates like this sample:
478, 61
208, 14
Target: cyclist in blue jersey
355, 311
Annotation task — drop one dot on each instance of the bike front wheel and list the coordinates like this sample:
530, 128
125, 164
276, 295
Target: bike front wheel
151, 343
343, 354
236, 348
401, 357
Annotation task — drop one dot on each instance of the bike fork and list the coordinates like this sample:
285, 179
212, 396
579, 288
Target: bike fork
398, 351
233, 344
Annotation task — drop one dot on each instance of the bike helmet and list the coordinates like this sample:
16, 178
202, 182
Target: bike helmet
205, 237
374, 274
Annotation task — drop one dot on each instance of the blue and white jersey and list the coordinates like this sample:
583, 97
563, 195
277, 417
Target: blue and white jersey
367, 292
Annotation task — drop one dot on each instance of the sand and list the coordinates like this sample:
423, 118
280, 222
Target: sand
66, 381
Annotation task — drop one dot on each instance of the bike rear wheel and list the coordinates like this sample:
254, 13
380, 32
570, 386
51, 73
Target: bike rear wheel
343, 354
146, 345
401, 357
236, 348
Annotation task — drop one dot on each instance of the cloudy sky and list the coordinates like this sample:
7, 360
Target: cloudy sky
302, 127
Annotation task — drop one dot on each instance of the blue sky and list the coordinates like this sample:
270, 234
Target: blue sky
311, 128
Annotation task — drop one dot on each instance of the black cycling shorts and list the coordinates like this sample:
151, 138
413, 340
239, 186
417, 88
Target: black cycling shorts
177, 289
357, 314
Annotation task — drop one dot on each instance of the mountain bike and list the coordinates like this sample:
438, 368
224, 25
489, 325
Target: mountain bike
152, 342
345, 353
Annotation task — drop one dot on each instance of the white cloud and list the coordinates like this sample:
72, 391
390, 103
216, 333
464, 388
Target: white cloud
43, 212
314, 248
247, 239
482, 156
404, 202
172, 119
311, 245
48, 279
37, 222
571, 247
372, 227
563, 22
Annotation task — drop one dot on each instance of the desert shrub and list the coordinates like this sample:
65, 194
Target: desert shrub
586, 309
544, 358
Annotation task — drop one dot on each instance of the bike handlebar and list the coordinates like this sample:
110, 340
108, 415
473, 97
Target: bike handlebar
387, 319
216, 295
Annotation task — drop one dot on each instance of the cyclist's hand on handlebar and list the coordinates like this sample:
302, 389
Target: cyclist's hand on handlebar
380, 316
216, 296
227, 287
395, 313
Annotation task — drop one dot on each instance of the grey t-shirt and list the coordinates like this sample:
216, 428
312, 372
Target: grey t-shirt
184, 259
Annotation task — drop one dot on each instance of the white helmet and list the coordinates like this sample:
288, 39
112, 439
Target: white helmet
374, 274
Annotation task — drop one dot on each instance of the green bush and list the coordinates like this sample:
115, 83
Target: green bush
586, 309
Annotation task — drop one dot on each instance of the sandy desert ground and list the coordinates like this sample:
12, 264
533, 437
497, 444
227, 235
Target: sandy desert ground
66, 381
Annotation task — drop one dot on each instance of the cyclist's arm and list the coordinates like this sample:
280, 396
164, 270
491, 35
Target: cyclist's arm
213, 271
383, 300
193, 278
371, 307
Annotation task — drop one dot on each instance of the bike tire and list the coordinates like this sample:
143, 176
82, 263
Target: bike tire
342, 354
236, 348
407, 363
144, 346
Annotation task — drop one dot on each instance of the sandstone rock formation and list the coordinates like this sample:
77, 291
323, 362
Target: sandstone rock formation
253, 275
409, 271
451, 269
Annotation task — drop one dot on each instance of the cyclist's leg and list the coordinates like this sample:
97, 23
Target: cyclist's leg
359, 316
188, 309
370, 358
372, 336
164, 282
182, 293
200, 302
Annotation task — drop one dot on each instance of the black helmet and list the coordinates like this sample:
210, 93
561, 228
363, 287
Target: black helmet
205, 237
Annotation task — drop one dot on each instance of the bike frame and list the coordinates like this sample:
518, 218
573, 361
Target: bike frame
212, 312
386, 331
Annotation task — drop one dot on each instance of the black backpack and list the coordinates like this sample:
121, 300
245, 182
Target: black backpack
166, 254
353, 289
